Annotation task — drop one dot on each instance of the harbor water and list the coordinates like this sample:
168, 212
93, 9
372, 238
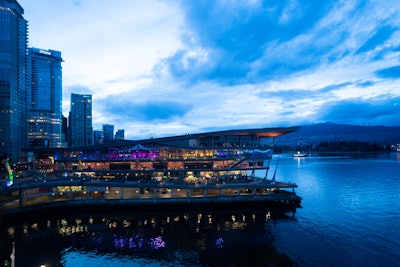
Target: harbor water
349, 216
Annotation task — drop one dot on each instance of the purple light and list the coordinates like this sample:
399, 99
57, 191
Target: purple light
157, 243
119, 242
135, 242
219, 242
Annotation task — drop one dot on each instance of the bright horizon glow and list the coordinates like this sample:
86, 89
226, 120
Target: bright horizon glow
162, 68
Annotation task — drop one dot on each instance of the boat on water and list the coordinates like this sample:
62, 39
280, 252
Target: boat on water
214, 168
300, 154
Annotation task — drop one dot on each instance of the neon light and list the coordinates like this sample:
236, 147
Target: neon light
10, 174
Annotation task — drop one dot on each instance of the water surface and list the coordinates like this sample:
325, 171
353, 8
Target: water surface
350, 216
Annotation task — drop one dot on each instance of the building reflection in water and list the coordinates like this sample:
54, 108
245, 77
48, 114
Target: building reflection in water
196, 238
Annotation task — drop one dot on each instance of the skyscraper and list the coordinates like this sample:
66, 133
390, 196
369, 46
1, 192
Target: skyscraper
13, 45
98, 137
64, 131
81, 120
120, 134
44, 93
108, 132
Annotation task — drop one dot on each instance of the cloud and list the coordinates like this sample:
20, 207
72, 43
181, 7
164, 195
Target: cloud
187, 66
378, 111
235, 35
390, 73
77, 2
149, 111
380, 37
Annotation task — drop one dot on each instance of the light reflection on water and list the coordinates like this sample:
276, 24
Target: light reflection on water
236, 238
350, 216
77, 258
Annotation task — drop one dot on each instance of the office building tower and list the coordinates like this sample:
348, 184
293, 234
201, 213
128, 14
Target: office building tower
120, 134
64, 132
98, 137
108, 132
44, 93
13, 45
81, 120
69, 129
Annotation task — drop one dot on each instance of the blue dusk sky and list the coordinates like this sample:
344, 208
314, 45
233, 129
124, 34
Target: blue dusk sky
162, 68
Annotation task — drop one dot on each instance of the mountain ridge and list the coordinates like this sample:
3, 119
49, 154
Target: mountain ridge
327, 132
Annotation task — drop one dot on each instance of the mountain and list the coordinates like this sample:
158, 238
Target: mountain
317, 133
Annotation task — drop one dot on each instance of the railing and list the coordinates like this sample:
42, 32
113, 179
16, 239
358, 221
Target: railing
29, 193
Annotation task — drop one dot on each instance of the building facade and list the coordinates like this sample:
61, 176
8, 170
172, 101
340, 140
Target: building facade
120, 134
64, 131
81, 120
108, 132
98, 137
44, 98
13, 46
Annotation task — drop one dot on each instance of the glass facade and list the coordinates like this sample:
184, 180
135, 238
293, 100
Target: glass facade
108, 131
81, 120
120, 134
98, 137
44, 107
13, 52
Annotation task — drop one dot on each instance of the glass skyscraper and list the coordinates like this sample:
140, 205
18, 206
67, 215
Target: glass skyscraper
108, 132
13, 48
98, 137
81, 120
120, 134
44, 107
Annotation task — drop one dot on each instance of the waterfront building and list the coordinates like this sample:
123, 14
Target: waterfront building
13, 46
120, 134
44, 96
214, 168
81, 120
108, 132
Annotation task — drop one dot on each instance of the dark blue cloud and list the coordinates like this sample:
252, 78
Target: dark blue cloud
129, 110
382, 35
380, 111
289, 95
236, 36
365, 83
80, 89
333, 87
389, 73
296, 94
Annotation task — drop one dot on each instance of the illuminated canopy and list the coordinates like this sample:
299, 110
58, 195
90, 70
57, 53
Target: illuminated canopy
259, 132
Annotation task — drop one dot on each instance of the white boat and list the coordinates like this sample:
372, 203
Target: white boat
300, 155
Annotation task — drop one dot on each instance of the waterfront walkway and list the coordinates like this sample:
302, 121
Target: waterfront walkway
29, 192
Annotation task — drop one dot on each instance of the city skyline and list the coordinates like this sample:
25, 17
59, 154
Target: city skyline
163, 68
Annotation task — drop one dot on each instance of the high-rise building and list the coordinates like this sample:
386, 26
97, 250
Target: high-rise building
44, 93
108, 132
98, 137
64, 132
81, 120
13, 46
120, 134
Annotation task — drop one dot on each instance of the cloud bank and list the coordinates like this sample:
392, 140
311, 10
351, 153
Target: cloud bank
159, 68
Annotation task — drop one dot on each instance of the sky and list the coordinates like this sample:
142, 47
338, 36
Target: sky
159, 68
